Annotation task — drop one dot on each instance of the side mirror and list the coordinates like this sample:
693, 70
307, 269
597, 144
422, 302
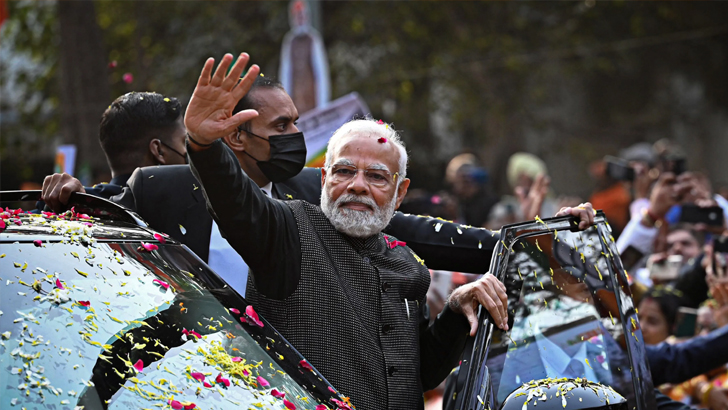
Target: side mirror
564, 394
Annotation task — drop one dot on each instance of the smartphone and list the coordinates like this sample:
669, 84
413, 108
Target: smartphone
619, 169
712, 215
686, 322
665, 270
720, 244
675, 165
630, 257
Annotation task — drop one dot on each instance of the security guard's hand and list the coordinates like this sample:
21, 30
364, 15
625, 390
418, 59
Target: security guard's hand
487, 291
57, 190
585, 213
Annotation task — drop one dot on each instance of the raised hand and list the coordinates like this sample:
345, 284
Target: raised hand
209, 114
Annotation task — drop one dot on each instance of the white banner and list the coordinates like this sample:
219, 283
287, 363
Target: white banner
319, 124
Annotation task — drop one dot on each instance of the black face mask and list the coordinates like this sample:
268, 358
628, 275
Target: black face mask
287, 156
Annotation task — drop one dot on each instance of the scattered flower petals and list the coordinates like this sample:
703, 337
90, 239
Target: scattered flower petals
128, 78
190, 406
160, 238
175, 404
380, 122
112, 64
246, 373
59, 285
321, 407
163, 284
306, 365
332, 390
262, 382
198, 376
221, 380
38, 243
289, 405
252, 317
237, 359
191, 332
278, 395
139, 365
84, 303
2, 224
236, 311
206, 384
382, 140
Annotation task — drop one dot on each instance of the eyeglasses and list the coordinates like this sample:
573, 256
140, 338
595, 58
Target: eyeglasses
375, 177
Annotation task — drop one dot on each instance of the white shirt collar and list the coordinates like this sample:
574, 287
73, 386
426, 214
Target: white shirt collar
268, 189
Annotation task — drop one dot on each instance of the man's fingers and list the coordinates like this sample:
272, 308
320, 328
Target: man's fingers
206, 71
235, 72
241, 117
469, 313
243, 86
221, 70
493, 304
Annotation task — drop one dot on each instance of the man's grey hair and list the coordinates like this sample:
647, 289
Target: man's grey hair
371, 127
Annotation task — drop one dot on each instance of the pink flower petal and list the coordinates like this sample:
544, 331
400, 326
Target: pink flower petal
289, 405
38, 243
198, 376
139, 365
206, 384
321, 407
306, 365
84, 303
236, 311
112, 64
127, 78
382, 140
237, 359
252, 317
278, 395
190, 406
2, 224
246, 373
175, 404
262, 382
163, 284
380, 122
600, 358
148, 247
332, 390
160, 238
17, 222
222, 380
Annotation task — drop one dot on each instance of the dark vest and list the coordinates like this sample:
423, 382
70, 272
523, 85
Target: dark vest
348, 315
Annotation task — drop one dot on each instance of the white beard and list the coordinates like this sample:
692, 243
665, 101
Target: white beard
355, 223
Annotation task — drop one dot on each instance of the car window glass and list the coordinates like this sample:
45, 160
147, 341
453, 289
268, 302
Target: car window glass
564, 316
117, 325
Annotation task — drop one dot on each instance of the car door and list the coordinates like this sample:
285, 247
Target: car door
571, 315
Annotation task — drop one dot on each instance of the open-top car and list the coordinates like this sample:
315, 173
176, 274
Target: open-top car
99, 312
574, 340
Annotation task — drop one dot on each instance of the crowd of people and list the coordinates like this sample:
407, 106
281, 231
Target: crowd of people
244, 199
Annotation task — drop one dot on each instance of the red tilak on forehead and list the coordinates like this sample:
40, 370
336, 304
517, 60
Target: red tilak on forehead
382, 140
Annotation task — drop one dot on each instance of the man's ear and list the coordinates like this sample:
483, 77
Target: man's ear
235, 141
155, 149
323, 176
402, 192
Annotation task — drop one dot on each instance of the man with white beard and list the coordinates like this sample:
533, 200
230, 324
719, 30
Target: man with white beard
349, 298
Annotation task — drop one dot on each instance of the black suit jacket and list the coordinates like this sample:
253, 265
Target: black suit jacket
170, 199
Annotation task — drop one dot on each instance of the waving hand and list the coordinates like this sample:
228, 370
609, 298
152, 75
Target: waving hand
209, 114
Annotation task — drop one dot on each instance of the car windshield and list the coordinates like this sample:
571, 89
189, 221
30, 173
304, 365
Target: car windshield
123, 325
565, 318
